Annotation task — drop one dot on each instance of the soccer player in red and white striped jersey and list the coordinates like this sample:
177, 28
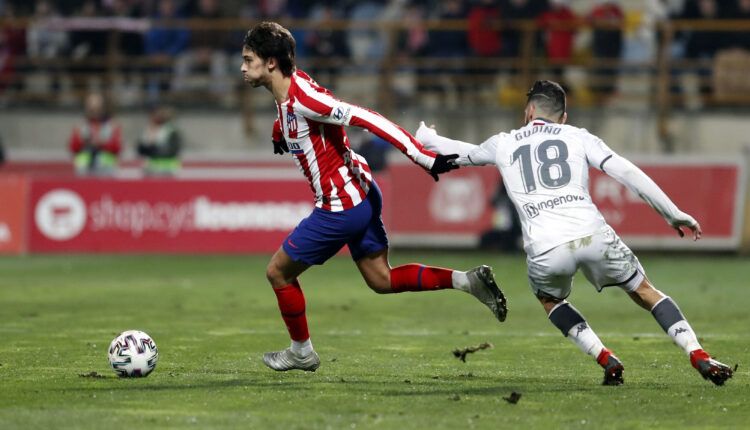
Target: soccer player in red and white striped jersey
310, 126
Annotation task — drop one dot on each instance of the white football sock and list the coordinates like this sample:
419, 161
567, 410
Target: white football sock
672, 321
684, 336
585, 338
302, 348
460, 280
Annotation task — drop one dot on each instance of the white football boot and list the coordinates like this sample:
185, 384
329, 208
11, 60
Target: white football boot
287, 360
482, 285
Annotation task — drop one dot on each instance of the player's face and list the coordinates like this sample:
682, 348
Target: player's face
254, 70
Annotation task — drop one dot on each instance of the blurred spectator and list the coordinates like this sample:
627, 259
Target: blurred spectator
163, 44
7, 58
607, 19
703, 45
96, 142
207, 52
130, 45
740, 10
450, 47
485, 41
558, 25
87, 48
45, 44
411, 46
160, 143
367, 44
12, 46
485, 38
327, 47
130, 41
513, 11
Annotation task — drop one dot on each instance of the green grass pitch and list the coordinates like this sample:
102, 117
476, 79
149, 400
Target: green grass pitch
387, 361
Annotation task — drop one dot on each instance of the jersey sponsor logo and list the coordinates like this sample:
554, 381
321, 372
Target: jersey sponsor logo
533, 209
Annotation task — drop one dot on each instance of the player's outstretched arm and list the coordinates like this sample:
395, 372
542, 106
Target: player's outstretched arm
431, 140
323, 107
469, 154
632, 177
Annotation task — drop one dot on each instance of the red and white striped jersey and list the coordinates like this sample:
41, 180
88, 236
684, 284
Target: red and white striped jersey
312, 121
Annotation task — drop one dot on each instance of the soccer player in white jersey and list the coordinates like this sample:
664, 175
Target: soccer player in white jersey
544, 166
310, 125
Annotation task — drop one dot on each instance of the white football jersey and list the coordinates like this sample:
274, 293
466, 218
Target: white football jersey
545, 169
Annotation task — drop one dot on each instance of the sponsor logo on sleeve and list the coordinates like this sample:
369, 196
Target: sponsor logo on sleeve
340, 114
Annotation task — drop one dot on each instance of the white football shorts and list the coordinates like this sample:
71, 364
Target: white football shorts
602, 257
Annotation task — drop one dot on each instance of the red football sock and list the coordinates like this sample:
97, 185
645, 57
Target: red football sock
292, 307
416, 277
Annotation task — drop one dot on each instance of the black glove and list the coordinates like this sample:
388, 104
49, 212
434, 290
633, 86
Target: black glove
443, 163
279, 146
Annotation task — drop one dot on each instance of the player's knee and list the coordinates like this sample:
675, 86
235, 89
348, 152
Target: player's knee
379, 284
380, 287
547, 301
274, 274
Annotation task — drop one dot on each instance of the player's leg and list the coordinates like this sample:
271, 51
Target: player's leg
673, 322
282, 273
370, 252
612, 263
414, 277
316, 239
551, 278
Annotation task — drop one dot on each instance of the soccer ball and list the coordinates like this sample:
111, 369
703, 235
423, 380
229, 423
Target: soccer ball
133, 354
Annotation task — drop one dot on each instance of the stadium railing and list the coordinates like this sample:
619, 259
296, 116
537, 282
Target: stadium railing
661, 80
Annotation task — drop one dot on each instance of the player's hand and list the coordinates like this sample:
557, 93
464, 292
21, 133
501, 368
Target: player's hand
425, 134
280, 146
442, 164
691, 225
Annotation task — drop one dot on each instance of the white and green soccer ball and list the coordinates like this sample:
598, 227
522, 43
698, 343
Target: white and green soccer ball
133, 354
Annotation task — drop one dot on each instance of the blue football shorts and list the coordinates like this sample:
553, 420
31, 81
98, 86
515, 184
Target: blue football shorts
323, 233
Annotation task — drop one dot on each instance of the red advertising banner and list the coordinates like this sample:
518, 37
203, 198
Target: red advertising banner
456, 210
109, 215
452, 211
711, 193
255, 214
12, 213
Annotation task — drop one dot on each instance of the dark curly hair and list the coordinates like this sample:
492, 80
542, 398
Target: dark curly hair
271, 40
